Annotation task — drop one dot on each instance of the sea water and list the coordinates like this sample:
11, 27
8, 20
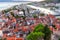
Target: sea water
5, 5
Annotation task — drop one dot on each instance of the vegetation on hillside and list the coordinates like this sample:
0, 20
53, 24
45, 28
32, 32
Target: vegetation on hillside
43, 32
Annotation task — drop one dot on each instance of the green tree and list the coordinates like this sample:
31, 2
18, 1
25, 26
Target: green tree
7, 10
23, 17
0, 38
43, 31
47, 33
39, 28
34, 16
35, 36
58, 18
59, 38
12, 14
42, 14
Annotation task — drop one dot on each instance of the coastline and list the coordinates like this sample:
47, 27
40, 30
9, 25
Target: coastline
5, 5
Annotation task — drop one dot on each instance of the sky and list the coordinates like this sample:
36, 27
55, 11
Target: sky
17, 0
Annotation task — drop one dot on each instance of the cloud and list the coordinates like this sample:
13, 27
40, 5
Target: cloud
28, 0
33, 0
17, 0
